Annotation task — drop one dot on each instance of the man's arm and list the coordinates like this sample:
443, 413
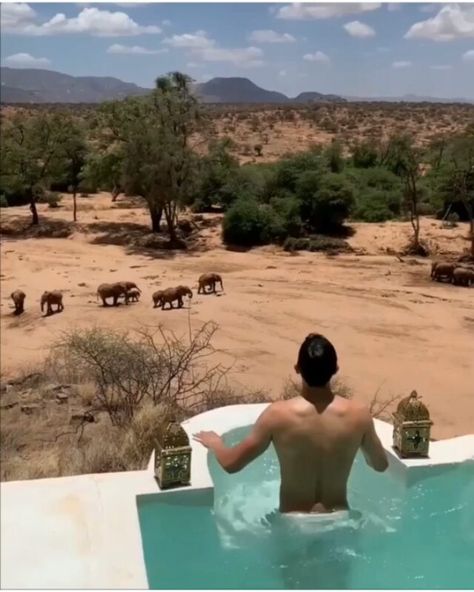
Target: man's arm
235, 458
374, 452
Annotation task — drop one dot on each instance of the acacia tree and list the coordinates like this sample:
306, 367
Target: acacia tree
104, 168
31, 147
156, 135
72, 156
456, 174
403, 158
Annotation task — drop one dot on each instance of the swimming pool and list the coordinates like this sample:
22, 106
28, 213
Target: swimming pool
418, 535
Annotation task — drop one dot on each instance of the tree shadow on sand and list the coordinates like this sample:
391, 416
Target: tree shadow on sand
21, 227
138, 240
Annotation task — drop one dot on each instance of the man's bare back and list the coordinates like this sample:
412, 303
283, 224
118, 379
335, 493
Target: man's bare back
316, 436
316, 446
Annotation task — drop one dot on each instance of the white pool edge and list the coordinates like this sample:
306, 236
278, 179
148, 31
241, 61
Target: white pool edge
83, 531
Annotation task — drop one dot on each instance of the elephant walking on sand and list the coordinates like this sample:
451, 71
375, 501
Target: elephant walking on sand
443, 271
134, 295
168, 296
114, 291
130, 286
209, 279
50, 298
18, 297
463, 276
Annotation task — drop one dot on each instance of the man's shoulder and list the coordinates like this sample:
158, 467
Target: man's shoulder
277, 409
357, 408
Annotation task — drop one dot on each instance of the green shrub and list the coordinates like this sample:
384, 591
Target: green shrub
365, 155
317, 242
334, 157
375, 205
52, 199
288, 210
326, 201
289, 170
245, 224
3, 202
426, 209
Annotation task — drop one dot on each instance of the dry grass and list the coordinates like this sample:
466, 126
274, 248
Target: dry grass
130, 386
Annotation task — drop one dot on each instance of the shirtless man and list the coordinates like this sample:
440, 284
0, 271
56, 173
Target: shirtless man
316, 436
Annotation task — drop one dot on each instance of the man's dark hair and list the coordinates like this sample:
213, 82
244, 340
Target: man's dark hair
317, 360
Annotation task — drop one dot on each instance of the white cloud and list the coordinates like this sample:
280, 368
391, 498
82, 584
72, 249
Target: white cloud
317, 56
25, 60
269, 36
468, 56
90, 21
358, 29
197, 40
453, 21
297, 11
166, 23
205, 49
441, 67
393, 6
16, 15
245, 56
119, 49
401, 64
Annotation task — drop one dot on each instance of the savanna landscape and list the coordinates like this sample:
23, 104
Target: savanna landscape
323, 218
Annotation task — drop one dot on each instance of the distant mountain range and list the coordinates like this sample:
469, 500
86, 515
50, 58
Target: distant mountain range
243, 90
45, 86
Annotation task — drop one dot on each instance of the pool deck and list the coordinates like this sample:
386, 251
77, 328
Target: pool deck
83, 531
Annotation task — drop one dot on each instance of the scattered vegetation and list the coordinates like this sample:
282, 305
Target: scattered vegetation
103, 398
377, 164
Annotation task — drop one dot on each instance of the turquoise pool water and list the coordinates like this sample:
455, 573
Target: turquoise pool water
419, 535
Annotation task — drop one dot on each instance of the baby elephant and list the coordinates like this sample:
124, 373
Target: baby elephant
209, 279
443, 271
18, 297
463, 276
162, 297
114, 291
134, 294
50, 298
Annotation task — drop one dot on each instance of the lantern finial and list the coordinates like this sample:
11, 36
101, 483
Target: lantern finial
173, 456
411, 427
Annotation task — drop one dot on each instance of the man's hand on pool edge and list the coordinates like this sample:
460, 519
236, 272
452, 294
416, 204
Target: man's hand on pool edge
208, 439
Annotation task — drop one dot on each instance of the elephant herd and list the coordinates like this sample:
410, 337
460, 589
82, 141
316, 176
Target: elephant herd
129, 291
458, 274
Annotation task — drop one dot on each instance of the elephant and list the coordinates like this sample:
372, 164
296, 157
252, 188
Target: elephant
50, 298
114, 291
209, 279
18, 297
434, 265
463, 276
443, 270
134, 294
157, 297
161, 297
131, 286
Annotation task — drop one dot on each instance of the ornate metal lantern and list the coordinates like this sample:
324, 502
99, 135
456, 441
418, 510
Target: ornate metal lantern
411, 427
173, 457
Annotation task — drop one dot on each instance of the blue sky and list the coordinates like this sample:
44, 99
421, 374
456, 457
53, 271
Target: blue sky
359, 49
